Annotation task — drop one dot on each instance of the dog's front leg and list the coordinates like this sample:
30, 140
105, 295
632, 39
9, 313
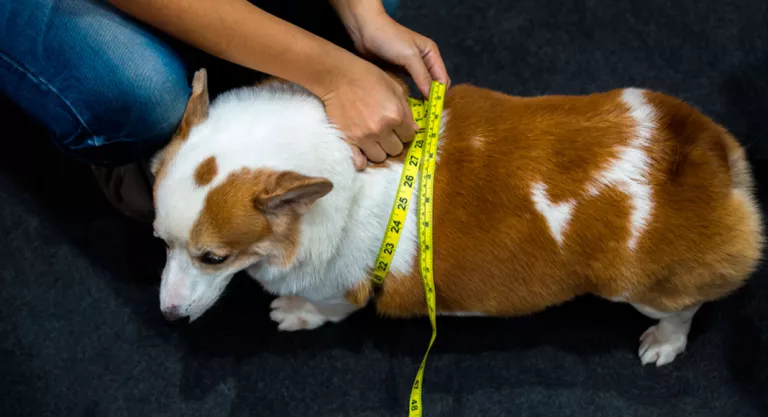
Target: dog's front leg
298, 313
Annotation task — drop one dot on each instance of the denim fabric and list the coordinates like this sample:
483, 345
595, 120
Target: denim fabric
108, 88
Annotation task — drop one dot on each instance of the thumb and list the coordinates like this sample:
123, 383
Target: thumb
434, 62
358, 158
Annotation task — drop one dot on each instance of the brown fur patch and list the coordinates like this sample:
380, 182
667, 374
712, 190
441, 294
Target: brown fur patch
361, 293
206, 171
256, 213
494, 252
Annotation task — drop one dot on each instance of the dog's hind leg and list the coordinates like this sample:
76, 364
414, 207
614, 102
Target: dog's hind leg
662, 342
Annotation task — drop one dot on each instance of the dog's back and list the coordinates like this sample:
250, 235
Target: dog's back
629, 194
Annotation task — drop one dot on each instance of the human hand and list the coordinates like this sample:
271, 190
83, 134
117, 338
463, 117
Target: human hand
376, 34
367, 104
371, 109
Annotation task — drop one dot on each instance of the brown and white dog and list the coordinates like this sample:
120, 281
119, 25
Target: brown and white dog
630, 195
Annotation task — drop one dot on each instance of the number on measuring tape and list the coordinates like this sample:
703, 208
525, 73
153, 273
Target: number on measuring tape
422, 164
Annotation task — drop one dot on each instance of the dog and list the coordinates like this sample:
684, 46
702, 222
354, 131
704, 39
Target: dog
629, 194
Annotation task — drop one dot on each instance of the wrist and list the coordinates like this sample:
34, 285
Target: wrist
330, 70
357, 15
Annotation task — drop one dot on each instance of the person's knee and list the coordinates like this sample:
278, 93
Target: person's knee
141, 107
107, 88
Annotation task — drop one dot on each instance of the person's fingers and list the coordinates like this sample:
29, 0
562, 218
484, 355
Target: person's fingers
407, 129
415, 66
358, 159
373, 151
391, 144
430, 54
437, 67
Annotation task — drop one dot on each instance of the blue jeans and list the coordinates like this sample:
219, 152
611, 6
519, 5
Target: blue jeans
109, 89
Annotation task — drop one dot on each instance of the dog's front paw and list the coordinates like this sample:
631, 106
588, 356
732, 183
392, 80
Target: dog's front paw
295, 313
661, 344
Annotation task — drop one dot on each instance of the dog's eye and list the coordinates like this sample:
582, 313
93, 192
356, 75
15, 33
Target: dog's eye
211, 258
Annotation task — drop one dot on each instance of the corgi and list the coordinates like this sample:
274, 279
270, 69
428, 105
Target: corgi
630, 195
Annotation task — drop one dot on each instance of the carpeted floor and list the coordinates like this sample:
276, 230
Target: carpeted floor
81, 333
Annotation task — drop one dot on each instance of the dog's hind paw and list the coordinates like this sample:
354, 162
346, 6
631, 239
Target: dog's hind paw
295, 313
661, 344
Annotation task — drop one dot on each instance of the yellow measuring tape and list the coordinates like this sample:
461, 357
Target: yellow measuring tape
420, 160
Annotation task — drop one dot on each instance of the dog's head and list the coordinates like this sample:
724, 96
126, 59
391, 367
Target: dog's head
218, 216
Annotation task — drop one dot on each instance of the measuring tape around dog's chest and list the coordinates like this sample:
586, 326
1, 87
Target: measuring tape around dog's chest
419, 161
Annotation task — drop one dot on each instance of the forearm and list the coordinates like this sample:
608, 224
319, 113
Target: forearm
239, 32
355, 14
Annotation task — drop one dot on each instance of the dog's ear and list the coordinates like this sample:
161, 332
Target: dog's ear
195, 113
291, 190
197, 106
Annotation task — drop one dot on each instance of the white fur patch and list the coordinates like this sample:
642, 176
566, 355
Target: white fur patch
629, 171
557, 215
441, 137
295, 313
281, 127
621, 298
661, 343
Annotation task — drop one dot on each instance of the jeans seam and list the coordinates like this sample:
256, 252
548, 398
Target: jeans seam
139, 139
69, 150
40, 81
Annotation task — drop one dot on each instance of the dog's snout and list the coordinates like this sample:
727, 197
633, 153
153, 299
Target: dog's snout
172, 313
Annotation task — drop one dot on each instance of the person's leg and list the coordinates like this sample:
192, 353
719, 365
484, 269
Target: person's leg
109, 91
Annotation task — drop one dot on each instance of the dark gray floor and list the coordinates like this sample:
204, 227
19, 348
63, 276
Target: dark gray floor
81, 334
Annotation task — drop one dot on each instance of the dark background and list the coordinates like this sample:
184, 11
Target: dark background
81, 333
